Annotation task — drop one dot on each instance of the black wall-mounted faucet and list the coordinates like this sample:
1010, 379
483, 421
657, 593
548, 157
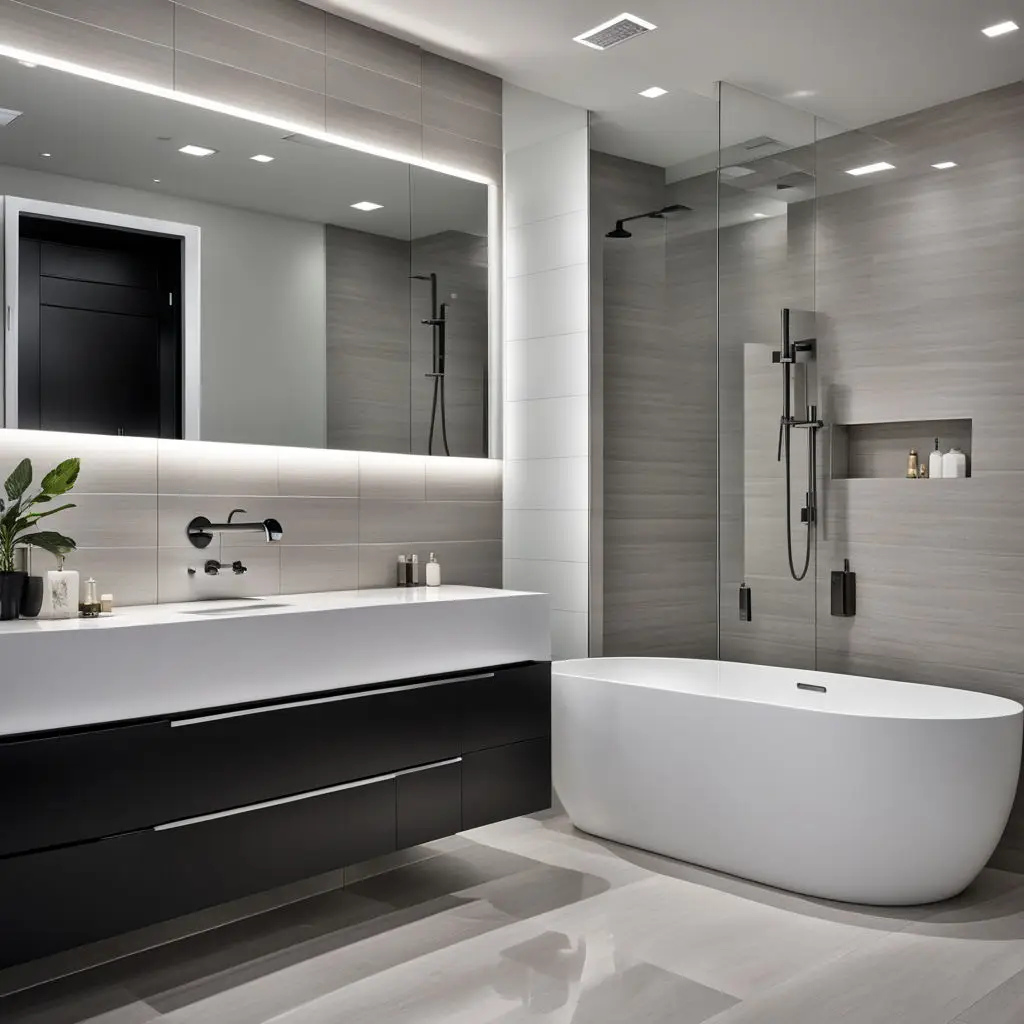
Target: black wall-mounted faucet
200, 530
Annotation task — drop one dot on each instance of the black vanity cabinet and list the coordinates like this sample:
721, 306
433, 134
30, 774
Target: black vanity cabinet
114, 827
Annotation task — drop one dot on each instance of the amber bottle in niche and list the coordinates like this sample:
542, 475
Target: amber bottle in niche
913, 465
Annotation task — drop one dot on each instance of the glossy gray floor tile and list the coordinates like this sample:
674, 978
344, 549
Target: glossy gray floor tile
530, 920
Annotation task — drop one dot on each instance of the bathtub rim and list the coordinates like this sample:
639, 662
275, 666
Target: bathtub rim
1001, 707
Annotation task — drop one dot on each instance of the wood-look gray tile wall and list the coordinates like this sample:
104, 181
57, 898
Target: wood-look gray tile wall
660, 456
346, 515
284, 59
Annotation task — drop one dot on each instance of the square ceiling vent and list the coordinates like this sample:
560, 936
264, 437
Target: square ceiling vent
618, 30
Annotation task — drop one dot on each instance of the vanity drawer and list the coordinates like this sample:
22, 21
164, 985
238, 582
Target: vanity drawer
242, 758
513, 705
82, 785
58, 899
429, 804
505, 782
102, 782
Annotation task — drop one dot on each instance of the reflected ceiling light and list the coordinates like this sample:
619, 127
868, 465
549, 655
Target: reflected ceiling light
191, 150
46, 154
262, 158
616, 30
204, 103
654, 92
800, 94
871, 168
945, 165
760, 216
366, 206
1001, 29
27, 64
156, 181
736, 171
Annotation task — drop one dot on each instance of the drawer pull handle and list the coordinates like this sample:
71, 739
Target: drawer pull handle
185, 822
181, 723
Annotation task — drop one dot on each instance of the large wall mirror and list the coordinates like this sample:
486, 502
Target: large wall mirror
175, 272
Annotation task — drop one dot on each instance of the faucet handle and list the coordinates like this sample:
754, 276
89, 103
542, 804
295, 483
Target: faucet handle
238, 569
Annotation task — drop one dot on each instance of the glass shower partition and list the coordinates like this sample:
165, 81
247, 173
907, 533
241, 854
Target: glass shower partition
769, 444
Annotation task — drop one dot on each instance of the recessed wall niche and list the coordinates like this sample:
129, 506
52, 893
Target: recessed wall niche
877, 451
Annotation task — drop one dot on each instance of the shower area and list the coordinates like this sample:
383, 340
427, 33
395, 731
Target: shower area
786, 309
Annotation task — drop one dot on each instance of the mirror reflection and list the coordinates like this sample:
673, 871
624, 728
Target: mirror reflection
175, 272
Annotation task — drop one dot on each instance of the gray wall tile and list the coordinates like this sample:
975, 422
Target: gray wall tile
470, 122
373, 50
460, 82
373, 90
151, 20
252, 92
463, 479
318, 520
263, 578
110, 520
31, 29
204, 36
130, 574
310, 471
287, 20
463, 563
321, 567
382, 522
462, 154
401, 477
396, 134
203, 467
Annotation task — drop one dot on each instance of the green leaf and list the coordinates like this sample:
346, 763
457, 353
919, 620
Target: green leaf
18, 482
62, 478
55, 543
33, 516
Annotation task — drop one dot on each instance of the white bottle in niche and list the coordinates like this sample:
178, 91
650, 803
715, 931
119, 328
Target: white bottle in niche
935, 463
954, 465
433, 571
60, 595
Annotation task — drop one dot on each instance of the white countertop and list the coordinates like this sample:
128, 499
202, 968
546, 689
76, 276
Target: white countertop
242, 607
166, 660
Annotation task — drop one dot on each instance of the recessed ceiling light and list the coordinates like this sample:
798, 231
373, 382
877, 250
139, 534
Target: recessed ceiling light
262, 158
191, 150
156, 181
1001, 29
871, 168
736, 171
46, 154
760, 216
616, 30
365, 206
654, 92
945, 165
800, 94
27, 64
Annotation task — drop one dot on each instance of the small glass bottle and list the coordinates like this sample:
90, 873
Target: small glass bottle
913, 465
90, 607
433, 571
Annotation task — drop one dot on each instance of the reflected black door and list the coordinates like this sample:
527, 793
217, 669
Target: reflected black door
99, 347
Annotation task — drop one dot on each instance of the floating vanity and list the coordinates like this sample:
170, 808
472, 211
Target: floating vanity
173, 757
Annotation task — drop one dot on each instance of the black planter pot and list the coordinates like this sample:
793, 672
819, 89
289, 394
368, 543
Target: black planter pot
12, 585
32, 597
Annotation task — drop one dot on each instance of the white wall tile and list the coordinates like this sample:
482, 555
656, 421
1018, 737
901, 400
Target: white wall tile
547, 367
206, 467
547, 428
547, 244
548, 536
320, 567
568, 583
556, 484
569, 635
549, 303
547, 179
324, 472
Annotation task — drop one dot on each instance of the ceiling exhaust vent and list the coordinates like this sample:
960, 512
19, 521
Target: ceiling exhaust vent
618, 30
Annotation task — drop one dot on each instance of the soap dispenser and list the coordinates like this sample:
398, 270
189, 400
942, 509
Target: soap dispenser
433, 571
935, 463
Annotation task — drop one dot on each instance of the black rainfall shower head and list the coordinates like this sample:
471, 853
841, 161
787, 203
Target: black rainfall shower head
675, 208
619, 232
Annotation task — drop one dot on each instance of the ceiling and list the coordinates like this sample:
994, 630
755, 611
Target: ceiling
853, 62
104, 133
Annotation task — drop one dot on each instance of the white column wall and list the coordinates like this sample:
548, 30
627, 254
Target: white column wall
547, 360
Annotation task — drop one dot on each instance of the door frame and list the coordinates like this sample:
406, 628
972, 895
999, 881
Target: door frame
14, 207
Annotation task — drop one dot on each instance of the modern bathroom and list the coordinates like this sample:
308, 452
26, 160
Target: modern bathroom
536, 534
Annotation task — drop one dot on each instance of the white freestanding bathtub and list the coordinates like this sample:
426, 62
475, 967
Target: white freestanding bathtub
862, 790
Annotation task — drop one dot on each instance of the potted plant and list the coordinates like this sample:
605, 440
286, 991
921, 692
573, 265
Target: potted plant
19, 516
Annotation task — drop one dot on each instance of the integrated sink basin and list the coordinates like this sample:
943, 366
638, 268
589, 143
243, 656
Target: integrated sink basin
156, 660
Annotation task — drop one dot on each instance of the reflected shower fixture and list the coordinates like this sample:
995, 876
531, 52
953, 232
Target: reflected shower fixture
438, 323
620, 231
